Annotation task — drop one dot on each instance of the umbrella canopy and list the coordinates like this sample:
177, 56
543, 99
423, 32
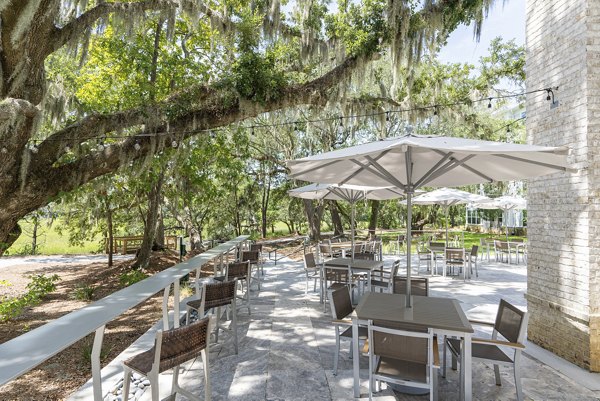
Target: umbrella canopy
504, 203
349, 193
447, 197
413, 161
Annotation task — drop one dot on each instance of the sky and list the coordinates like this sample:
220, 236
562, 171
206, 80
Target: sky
507, 21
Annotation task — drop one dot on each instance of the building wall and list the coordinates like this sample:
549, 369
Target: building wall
563, 49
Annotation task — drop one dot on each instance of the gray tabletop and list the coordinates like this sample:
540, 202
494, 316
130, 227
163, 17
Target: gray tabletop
433, 312
359, 264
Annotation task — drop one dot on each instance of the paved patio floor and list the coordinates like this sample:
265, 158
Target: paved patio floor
287, 345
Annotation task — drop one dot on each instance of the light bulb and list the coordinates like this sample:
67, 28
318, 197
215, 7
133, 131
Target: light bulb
100, 147
137, 146
174, 144
34, 149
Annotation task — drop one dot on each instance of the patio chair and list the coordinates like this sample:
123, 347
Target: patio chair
384, 279
511, 323
214, 296
424, 255
240, 271
341, 308
472, 258
484, 246
398, 246
312, 271
402, 354
261, 264
326, 251
418, 286
254, 258
359, 247
171, 348
455, 257
502, 248
364, 256
339, 277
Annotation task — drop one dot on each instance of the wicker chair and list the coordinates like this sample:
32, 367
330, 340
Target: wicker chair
335, 278
511, 323
384, 280
455, 257
402, 354
418, 286
214, 296
341, 308
502, 248
171, 348
261, 260
312, 271
254, 258
240, 271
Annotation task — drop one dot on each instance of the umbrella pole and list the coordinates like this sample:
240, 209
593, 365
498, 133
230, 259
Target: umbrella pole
408, 245
446, 211
352, 228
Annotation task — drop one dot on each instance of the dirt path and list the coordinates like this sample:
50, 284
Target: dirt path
58, 377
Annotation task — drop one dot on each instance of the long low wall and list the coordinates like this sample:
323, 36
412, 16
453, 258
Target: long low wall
21, 354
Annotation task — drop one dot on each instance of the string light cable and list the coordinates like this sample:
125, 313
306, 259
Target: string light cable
435, 108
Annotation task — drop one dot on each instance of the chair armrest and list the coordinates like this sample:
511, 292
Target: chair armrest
345, 322
365, 348
481, 322
436, 353
497, 342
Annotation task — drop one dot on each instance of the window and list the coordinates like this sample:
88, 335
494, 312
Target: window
473, 217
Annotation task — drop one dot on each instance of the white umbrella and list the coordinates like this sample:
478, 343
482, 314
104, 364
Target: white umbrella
349, 193
505, 203
414, 161
447, 197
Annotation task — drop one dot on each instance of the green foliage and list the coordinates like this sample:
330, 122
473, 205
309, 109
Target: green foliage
83, 292
86, 352
38, 287
131, 277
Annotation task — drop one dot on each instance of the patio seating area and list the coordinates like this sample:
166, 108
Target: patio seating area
287, 346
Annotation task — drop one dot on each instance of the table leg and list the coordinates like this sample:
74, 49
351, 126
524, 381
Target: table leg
355, 358
466, 368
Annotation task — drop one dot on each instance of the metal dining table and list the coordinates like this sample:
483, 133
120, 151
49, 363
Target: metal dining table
357, 266
444, 315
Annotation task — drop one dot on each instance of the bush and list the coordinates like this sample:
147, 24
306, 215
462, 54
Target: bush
131, 277
83, 292
39, 286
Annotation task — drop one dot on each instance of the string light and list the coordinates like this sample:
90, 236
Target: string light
4, 150
490, 103
100, 146
67, 148
137, 145
387, 116
34, 148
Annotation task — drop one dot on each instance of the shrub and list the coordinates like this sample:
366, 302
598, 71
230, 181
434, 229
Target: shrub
83, 292
131, 277
38, 287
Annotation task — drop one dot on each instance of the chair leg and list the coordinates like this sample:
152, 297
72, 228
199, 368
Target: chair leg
205, 366
518, 386
175, 381
497, 374
126, 382
234, 326
306, 290
444, 363
217, 326
336, 357
154, 387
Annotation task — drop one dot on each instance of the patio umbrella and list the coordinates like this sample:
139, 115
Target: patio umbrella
504, 203
348, 193
447, 197
413, 161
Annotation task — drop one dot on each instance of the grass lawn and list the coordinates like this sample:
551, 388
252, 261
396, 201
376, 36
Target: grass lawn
50, 242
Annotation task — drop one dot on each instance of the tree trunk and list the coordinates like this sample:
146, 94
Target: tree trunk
373, 218
109, 227
159, 235
143, 257
336, 220
34, 235
195, 238
265, 205
313, 217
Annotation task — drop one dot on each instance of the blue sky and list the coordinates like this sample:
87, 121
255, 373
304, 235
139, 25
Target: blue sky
507, 21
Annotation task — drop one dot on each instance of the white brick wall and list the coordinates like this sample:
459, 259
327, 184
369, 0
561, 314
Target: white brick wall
563, 49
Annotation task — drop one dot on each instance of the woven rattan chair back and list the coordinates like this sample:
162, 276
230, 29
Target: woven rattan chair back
474, 250
418, 286
256, 247
237, 270
509, 322
364, 256
341, 303
218, 294
337, 274
182, 344
250, 256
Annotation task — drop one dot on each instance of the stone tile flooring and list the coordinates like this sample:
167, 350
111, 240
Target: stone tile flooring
287, 345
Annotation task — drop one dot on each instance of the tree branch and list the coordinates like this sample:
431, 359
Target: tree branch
10, 107
79, 25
